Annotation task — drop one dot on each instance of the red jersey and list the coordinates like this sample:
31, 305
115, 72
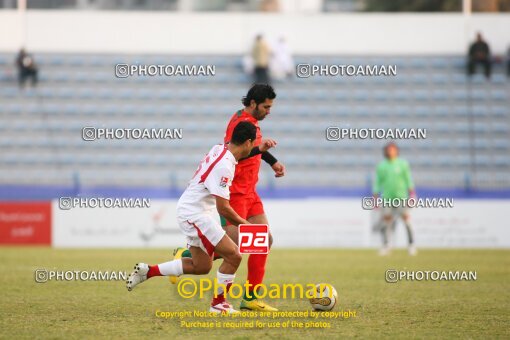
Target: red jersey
247, 170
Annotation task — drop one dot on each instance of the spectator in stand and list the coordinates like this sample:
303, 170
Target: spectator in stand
282, 64
261, 54
269, 6
26, 68
479, 53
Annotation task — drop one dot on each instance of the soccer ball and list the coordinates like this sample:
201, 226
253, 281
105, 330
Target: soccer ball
324, 297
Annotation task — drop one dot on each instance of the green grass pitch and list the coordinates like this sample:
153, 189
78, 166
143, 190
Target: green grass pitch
425, 309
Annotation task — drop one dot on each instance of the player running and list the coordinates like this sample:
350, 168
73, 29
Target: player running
207, 190
243, 195
393, 181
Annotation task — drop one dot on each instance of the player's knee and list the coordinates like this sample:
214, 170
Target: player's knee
234, 258
233, 233
202, 268
237, 258
205, 269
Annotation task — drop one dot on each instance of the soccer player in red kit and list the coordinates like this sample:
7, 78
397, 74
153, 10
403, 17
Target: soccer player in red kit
243, 195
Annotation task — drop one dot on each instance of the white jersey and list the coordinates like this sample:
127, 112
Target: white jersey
213, 178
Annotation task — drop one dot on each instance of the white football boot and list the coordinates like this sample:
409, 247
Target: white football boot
412, 250
138, 276
385, 251
223, 307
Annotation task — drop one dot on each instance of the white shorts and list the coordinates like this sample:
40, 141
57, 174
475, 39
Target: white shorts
202, 231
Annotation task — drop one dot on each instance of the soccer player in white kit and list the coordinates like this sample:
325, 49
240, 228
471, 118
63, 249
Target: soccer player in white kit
207, 195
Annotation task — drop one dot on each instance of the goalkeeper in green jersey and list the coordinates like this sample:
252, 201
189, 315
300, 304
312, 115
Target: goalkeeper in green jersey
393, 183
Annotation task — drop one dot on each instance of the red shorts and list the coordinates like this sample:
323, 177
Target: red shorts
246, 205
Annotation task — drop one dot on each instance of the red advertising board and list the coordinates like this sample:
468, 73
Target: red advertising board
25, 223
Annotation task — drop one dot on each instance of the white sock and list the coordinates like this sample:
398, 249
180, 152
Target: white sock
171, 268
224, 279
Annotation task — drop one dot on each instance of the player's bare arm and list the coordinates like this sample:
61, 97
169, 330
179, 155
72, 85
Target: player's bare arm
225, 210
265, 145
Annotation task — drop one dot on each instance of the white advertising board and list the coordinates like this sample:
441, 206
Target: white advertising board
303, 223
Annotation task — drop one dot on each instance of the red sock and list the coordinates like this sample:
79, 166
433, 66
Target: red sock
221, 297
256, 269
153, 271
218, 299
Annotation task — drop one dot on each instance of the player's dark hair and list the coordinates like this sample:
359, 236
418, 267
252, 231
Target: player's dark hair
242, 132
387, 146
259, 93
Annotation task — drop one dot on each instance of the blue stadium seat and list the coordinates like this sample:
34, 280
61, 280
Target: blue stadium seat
440, 79
419, 79
420, 95
439, 95
500, 128
440, 62
499, 111
501, 144
57, 76
500, 95
441, 110
15, 108
478, 94
498, 78
481, 143
502, 160
459, 78
430, 92
460, 110
478, 79
460, 95
480, 111
418, 63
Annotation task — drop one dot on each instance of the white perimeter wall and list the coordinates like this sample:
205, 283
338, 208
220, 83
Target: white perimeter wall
232, 33
294, 223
